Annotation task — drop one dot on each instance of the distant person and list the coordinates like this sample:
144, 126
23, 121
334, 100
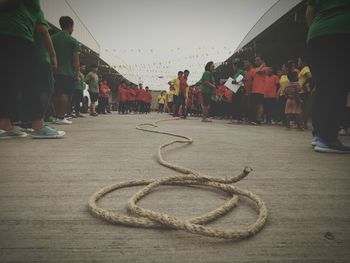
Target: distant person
258, 89
305, 79
283, 82
170, 99
122, 98
19, 67
103, 98
293, 105
79, 92
207, 89
248, 84
67, 74
147, 100
161, 102
92, 80
270, 96
328, 50
182, 95
176, 84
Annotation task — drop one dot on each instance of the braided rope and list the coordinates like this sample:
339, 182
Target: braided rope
149, 219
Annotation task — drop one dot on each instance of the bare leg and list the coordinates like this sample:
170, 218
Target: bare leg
5, 124
60, 103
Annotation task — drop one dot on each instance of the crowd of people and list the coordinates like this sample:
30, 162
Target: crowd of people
263, 95
133, 99
47, 81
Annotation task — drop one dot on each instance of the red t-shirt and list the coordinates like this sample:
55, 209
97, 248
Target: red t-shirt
271, 86
139, 94
259, 80
122, 94
148, 97
220, 91
249, 74
183, 85
104, 89
130, 94
228, 95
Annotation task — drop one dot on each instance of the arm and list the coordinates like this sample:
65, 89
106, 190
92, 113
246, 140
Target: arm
310, 14
76, 65
44, 34
209, 85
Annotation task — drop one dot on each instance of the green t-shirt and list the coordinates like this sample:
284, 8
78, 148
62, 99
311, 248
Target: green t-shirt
65, 45
44, 56
332, 17
207, 76
20, 22
92, 80
81, 84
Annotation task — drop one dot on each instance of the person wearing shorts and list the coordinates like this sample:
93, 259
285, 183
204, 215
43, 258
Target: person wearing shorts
19, 66
67, 74
92, 80
207, 88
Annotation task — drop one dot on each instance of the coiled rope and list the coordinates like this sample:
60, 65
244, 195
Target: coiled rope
150, 219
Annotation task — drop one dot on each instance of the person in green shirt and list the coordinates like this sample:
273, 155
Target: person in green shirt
79, 91
19, 66
92, 80
328, 46
67, 74
207, 89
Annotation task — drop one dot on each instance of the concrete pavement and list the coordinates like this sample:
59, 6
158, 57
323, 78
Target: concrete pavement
45, 186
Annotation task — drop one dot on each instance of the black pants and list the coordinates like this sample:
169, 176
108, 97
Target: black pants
329, 60
181, 101
237, 104
102, 104
176, 105
19, 75
270, 109
160, 107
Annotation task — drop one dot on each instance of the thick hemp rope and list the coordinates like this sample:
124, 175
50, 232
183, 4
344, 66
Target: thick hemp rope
150, 219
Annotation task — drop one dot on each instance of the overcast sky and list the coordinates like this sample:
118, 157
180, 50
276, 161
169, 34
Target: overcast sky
153, 39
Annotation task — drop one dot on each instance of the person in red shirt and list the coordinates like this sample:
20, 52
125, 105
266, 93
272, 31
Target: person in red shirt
182, 95
228, 96
248, 84
122, 98
140, 99
147, 100
130, 99
103, 98
270, 96
258, 89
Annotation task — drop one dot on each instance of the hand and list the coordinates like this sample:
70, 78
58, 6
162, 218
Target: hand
77, 78
53, 63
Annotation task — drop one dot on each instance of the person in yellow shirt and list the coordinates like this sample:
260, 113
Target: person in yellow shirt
161, 101
176, 84
281, 96
169, 100
305, 78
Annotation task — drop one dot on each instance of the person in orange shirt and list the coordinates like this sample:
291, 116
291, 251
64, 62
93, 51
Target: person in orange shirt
248, 84
270, 96
258, 89
122, 98
103, 98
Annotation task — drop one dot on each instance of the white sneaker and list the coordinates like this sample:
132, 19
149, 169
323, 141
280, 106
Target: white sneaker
63, 121
344, 132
